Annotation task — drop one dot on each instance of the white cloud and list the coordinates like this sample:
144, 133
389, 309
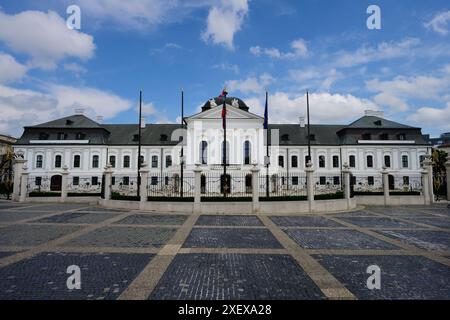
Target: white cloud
227, 67
27, 107
44, 37
318, 77
440, 22
10, 69
434, 117
299, 50
250, 85
224, 20
324, 107
75, 68
384, 51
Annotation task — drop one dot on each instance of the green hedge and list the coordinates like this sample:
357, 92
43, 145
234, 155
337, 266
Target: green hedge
117, 196
333, 196
284, 198
171, 199
367, 193
74, 194
404, 193
37, 194
227, 199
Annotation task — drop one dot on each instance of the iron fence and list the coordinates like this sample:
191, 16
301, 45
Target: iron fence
38, 184
171, 185
84, 184
124, 185
282, 185
367, 184
406, 184
234, 184
327, 184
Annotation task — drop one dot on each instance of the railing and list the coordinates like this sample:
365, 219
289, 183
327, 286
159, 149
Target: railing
363, 185
84, 185
169, 185
38, 184
124, 185
236, 184
327, 184
406, 184
283, 185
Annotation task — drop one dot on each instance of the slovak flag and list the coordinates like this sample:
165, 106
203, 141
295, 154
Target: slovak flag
224, 107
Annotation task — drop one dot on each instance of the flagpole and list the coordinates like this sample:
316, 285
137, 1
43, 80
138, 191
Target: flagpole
224, 160
266, 115
182, 149
139, 146
309, 133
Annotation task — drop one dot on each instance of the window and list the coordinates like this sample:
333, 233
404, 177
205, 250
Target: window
61, 136
141, 159
405, 162
387, 161
336, 180
113, 181
154, 181
401, 136
352, 161
335, 161
285, 137
76, 181
203, 184
39, 161
406, 181
421, 159
166, 180
384, 136
94, 181
204, 152
95, 161
281, 161
154, 161
168, 161
58, 160
294, 161
321, 161
306, 160
80, 136
43, 136
112, 161
163, 137
369, 161
247, 152
227, 151
377, 123
135, 137
76, 161
295, 181
126, 181
370, 181
367, 136
38, 181
323, 181
126, 161
312, 137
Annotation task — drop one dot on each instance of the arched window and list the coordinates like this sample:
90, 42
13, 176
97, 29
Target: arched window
405, 162
95, 161
335, 161
126, 161
58, 160
39, 161
294, 161
112, 161
352, 161
154, 161
247, 152
387, 161
281, 161
76, 161
369, 161
204, 152
321, 161
168, 161
227, 151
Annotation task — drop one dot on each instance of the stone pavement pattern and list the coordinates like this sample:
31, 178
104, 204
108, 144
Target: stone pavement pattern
140, 255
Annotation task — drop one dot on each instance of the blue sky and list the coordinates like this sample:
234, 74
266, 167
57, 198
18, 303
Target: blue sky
161, 46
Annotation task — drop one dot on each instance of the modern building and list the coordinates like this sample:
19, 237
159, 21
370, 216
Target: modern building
85, 147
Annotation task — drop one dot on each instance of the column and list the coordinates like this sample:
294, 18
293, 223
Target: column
197, 188
255, 188
428, 165
64, 183
385, 175
425, 186
310, 185
23, 184
447, 166
144, 184
108, 179
346, 172
18, 166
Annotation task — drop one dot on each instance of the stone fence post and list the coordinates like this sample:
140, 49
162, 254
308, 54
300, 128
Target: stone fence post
255, 189
108, 180
385, 177
428, 165
197, 188
23, 184
447, 166
425, 186
143, 192
347, 193
310, 185
18, 166
64, 183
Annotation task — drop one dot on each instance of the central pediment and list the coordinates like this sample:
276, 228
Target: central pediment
232, 113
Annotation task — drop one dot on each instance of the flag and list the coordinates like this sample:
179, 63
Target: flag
224, 108
224, 93
266, 114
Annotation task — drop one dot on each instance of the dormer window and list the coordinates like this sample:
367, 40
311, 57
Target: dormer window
163, 137
80, 136
285, 137
135, 137
312, 137
401, 136
69, 122
377, 123
384, 136
43, 136
367, 136
62, 136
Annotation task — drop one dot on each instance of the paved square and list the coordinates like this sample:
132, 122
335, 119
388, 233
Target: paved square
125, 237
6, 254
235, 276
78, 217
402, 277
336, 239
229, 221
103, 276
12, 216
429, 240
377, 222
435, 222
304, 221
31, 235
231, 238
151, 219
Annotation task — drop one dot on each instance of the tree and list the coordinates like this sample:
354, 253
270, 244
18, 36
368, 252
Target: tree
6, 173
439, 158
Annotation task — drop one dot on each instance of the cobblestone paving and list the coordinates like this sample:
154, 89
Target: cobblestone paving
143, 219
235, 276
127, 254
230, 221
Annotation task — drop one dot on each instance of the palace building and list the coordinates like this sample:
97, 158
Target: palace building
85, 147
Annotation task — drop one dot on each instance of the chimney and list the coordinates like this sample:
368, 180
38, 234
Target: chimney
99, 119
79, 111
302, 122
143, 122
374, 113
